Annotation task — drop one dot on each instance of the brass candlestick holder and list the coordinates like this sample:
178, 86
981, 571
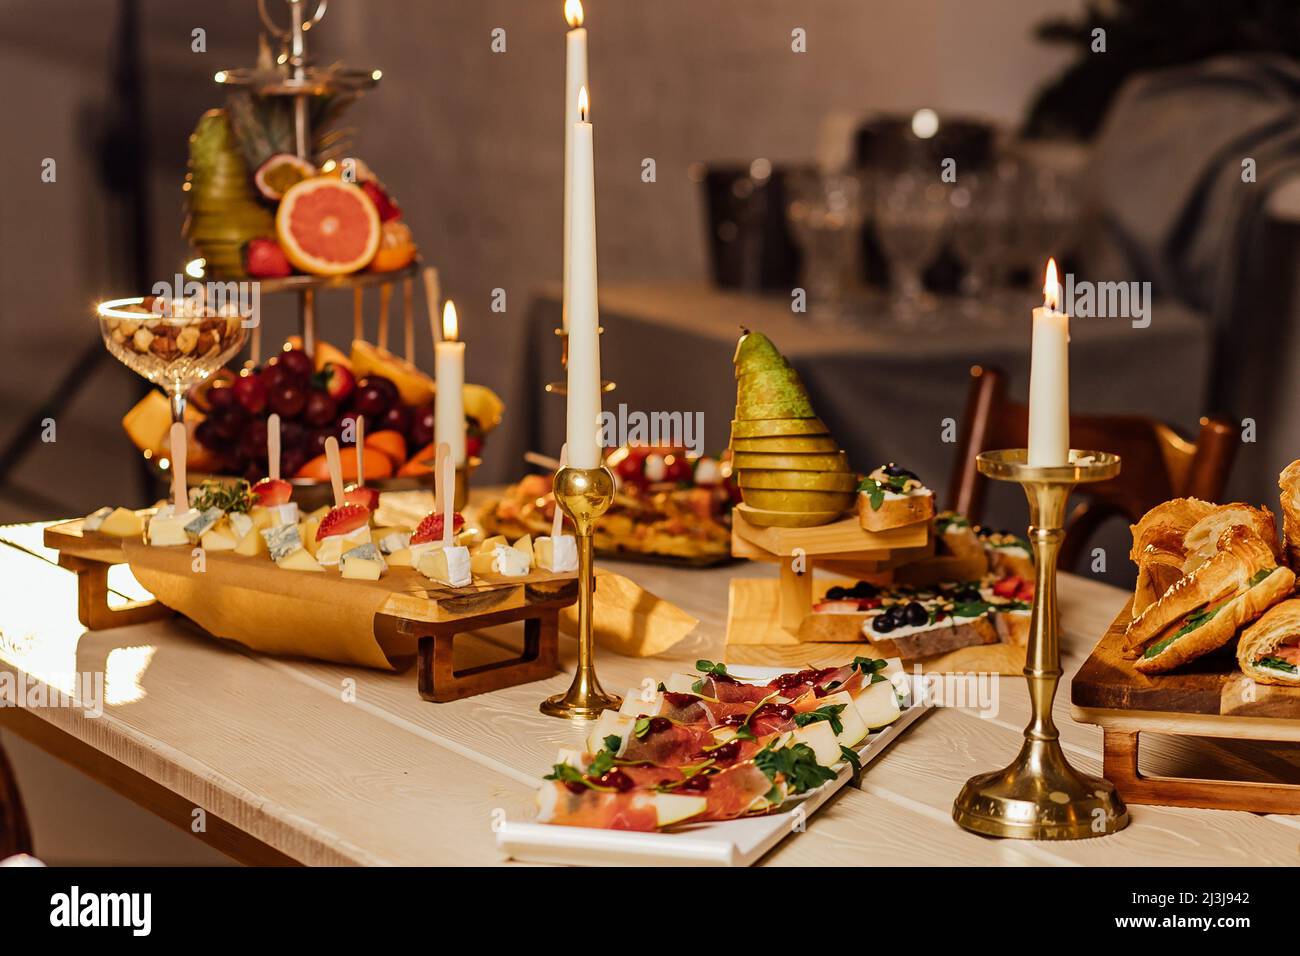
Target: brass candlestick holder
584, 494
562, 387
1040, 796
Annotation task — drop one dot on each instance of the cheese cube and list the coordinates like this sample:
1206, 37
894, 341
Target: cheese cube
401, 558
510, 562
197, 526
252, 544
331, 549
557, 555
394, 541
167, 527
220, 537
261, 517
298, 560
286, 513
491, 544
482, 563
122, 523
448, 566
282, 540
363, 562
240, 524
525, 545
307, 531
96, 518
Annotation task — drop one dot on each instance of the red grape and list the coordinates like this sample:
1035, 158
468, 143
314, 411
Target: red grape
422, 426
397, 418
319, 408
375, 395
220, 396
250, 391
297, 364
287, 400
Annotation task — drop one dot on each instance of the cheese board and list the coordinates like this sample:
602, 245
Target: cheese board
739, 841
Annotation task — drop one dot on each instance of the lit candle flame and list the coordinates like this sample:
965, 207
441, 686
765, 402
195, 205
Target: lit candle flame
1051, 288
584, 104
573, 13
450, 326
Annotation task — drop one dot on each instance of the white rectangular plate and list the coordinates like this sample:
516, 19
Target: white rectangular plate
726, 843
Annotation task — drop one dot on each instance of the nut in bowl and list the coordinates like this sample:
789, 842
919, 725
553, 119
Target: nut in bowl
176, 343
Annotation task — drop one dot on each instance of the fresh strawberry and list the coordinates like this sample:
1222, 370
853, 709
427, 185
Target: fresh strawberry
264, 259
272, 491
337, 380
431, 527
1008, 586
387, 209
361, 495
342, 519
1025, 592
473, 445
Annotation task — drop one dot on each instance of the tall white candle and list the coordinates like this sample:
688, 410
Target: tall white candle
1049, 379
575, 79
583, 431
449, 401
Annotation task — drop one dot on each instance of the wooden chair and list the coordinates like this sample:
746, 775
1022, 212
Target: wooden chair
15, 834
1158, 464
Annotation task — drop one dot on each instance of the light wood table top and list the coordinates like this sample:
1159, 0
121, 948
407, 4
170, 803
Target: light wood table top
301, 761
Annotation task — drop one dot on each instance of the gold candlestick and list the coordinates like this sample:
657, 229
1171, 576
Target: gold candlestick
584, 494
1040, 796
562, 388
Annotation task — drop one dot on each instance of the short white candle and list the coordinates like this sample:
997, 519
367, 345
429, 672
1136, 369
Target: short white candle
449, 400
1049, 379
575, 79
583, 421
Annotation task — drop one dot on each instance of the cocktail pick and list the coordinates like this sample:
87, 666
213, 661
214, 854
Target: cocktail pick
335, 467
358, 320
448, 474
273, 446
361, 445
557, 522
442, 451
408, 318
180, 496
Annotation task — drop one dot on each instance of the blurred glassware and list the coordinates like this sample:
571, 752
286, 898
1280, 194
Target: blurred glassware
983, 206
750, 246
826, 212
1044, 213
911, 215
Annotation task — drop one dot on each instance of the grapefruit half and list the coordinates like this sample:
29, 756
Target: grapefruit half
327, 227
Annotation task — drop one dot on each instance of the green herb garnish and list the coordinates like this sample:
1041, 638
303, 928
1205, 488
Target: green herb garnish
829, 713
745, 732
236, 496
641, 727
708, 669
612, 742
1190, 624
1260, 576
971, 608
852, 757
797, 764
602, 763
1277, 664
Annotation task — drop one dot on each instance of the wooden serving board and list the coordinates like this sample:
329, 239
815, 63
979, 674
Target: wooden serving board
1210, 685
843, 539
1209, 697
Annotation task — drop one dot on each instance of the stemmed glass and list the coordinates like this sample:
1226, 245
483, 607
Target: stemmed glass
911, 213
982, 217
176, 343
826, 212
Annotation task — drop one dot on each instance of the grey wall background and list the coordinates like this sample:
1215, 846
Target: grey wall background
471, 143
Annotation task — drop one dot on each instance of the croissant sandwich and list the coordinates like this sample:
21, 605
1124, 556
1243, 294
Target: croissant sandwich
1203, 538
1289, 483
1269, 650
1204, 609
1158, 549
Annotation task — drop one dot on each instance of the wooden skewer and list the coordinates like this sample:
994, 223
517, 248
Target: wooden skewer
180, 495
358, 313
255, 345
408, 318
273, 447
433, 301
542, 461
448, 473
361, 441
443, 450
557, 522
335, 467
385, 297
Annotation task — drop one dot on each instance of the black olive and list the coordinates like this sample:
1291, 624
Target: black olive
896, 614
896, 472
882, 624
864, 590
916, 614
966, 595
836, 594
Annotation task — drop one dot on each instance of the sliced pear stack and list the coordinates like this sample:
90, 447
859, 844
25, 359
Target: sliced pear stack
791, 471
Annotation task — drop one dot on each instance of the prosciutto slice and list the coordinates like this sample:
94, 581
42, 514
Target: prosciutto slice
668, 744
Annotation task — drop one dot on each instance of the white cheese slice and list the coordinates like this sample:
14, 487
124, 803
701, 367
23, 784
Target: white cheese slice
167, 527
286, 513
448, 566
240, 524
558, 555
122, 523
511, 562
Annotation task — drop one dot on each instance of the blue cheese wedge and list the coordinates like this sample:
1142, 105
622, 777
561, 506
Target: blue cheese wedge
206, 519
282, 540
363, 563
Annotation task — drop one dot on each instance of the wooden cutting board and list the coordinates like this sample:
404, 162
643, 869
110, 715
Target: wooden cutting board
1210, 685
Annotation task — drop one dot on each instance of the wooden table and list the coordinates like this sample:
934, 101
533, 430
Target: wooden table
299, 761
